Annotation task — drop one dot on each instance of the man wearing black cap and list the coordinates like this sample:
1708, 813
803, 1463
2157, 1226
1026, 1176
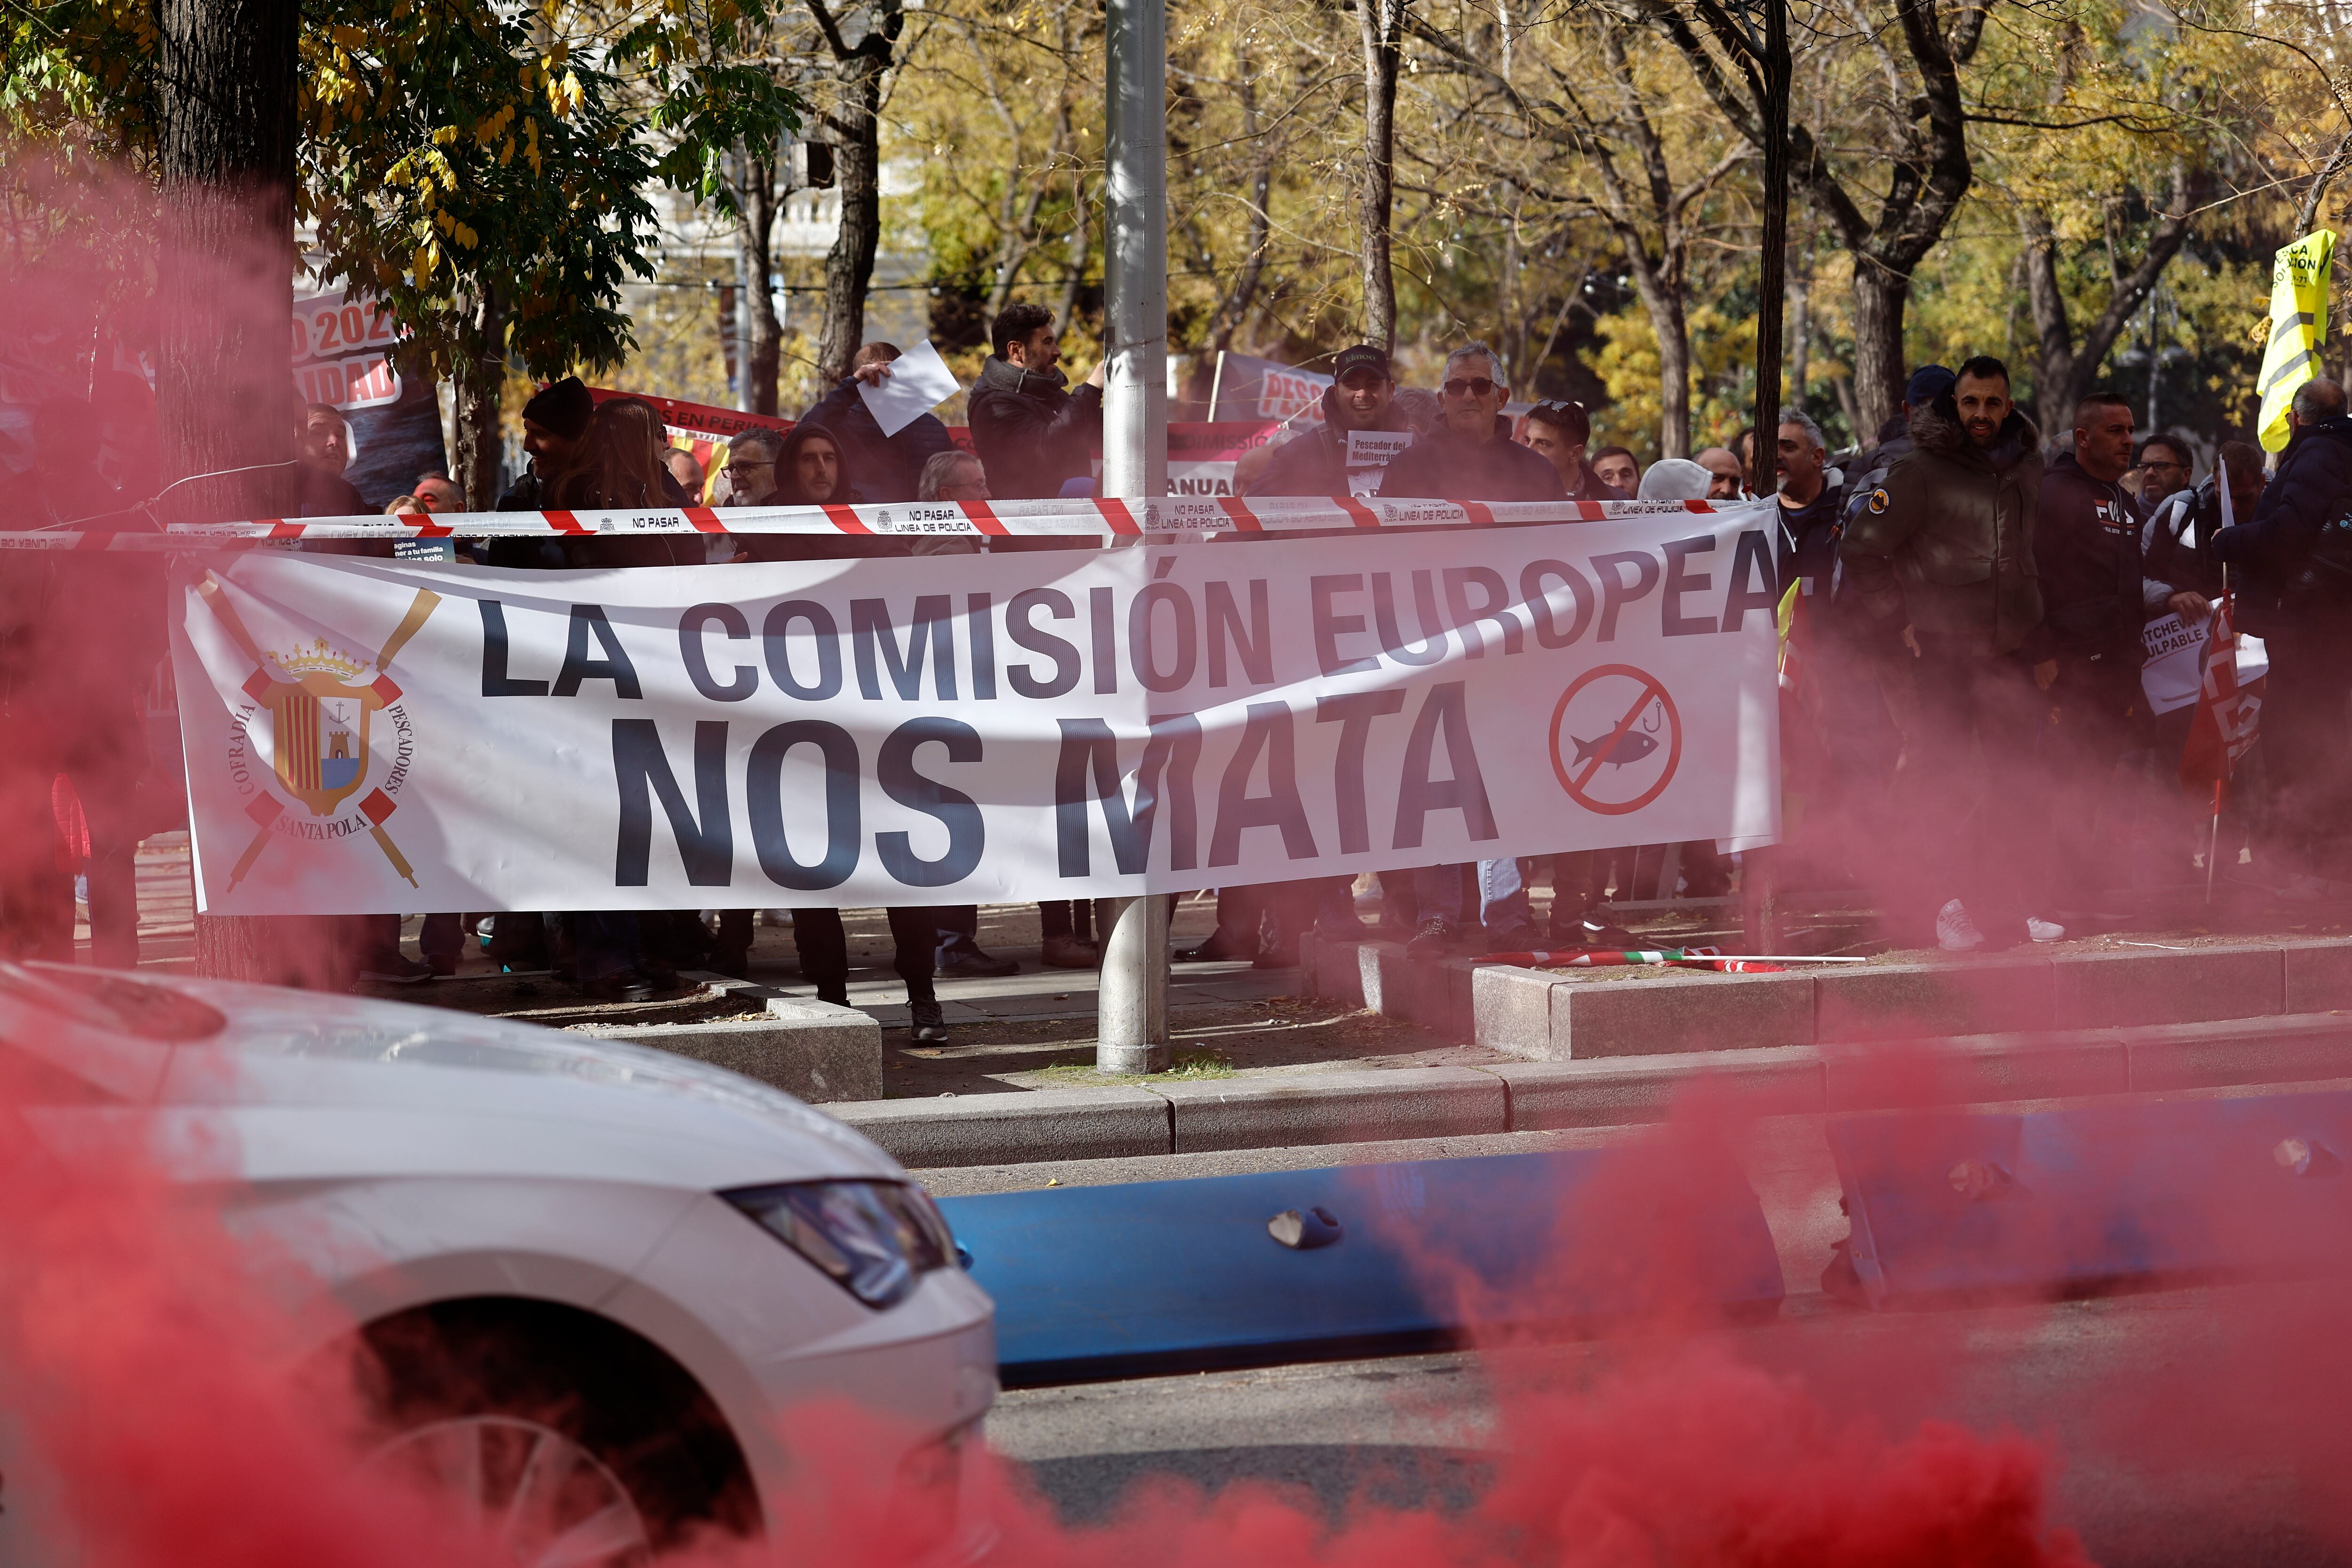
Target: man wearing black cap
553, 422
1316, 462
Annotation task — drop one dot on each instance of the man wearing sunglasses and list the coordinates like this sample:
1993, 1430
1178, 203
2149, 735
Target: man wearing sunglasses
1263, 922
1471, 456
1315, 462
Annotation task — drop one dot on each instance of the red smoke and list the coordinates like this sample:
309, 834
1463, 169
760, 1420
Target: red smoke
142, 1361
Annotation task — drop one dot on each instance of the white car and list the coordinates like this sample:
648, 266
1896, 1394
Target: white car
571, 1258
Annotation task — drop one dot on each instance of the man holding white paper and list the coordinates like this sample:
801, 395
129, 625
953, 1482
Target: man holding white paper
880, 414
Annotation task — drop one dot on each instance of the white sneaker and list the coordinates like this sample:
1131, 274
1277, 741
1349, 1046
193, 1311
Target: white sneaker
1955, 932
2041, 929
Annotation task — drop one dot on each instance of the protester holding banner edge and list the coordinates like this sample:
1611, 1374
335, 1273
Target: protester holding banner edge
2296, 595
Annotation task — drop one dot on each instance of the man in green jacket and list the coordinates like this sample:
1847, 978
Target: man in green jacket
1939, 561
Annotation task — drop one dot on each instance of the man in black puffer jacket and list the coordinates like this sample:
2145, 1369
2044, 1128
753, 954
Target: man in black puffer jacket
1032, 435
2292, 565
1940, 564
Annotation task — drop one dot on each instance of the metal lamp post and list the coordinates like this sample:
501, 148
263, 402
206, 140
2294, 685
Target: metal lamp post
1132, 1032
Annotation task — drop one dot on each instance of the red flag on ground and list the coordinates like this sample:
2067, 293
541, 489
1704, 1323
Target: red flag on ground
2223, 727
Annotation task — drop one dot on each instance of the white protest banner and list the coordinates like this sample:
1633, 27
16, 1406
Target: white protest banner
378, 736
2174, 672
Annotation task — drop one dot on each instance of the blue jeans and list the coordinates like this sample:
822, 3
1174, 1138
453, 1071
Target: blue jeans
1437, 893
1503, 893
1503, 890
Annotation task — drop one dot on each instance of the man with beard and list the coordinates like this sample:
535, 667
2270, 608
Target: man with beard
1032, 433
1940, 559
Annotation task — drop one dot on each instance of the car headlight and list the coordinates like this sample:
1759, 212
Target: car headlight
875, 1239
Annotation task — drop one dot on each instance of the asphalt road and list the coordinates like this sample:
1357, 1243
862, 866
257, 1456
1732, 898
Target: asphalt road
2201, 1425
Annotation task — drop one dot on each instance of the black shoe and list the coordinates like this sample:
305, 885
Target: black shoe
1276, 957
441, 964
627, 987
1594, 931
924, 1020
1429, 942
734, 966
391, 967
1514, 938
976, 964
659, 975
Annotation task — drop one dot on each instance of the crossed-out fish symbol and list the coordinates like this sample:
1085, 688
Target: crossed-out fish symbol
1616, 750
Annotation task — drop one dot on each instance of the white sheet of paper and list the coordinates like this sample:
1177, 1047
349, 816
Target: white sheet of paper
920, 381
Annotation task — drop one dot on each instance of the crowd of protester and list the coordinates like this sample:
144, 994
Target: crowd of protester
1972, 592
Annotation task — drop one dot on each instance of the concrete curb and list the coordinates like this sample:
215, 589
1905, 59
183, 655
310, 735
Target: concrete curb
818, 1051
1545, 1014
1287, 1111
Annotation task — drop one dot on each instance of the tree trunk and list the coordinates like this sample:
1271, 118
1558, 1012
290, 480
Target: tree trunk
1383, 33
1800, 339
2064, 365
2057, 381
756, 226
1664, 306
224, 392
857, 167
1880, 299
477, 388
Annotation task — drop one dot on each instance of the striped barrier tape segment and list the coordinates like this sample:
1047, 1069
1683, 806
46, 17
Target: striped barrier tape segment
1608, 958
1086, 519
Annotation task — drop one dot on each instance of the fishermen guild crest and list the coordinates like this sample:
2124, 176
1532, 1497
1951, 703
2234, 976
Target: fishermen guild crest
319, 722
322, 701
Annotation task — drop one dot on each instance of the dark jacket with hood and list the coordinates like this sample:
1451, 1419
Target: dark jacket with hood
1315, 462
1442, 466
788, 492
1945, 542
1867, 471
2292, 561
1031, 433
889, 468
2087, 549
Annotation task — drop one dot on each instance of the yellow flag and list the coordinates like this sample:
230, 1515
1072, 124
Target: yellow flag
2298, 326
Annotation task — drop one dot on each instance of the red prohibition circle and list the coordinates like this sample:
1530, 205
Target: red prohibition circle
1651, 687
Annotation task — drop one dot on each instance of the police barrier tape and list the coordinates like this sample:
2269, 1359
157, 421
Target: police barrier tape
1084, 519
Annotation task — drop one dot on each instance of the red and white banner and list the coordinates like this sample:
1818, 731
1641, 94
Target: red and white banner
1100, 518
365, 736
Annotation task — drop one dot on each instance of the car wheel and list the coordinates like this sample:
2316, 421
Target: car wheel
545, 1501
576, 1442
